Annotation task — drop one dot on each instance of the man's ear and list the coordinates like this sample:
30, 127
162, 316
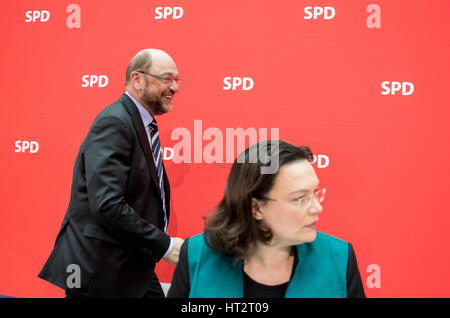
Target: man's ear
256, 210
136, 81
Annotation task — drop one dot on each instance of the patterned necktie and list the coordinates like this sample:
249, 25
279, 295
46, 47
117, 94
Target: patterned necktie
157, 157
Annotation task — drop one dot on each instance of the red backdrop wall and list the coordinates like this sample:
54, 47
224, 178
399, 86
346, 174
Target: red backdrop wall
363, 84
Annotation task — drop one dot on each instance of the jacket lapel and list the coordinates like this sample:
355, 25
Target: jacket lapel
142, 134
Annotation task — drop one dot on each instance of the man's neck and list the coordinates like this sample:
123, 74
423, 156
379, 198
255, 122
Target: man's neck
135, 95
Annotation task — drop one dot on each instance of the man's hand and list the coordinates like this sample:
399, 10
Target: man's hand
172, 258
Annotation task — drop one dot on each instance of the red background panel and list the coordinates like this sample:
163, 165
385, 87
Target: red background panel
317, 81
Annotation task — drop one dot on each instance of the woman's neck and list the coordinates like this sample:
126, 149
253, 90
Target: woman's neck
270, 265
270, 255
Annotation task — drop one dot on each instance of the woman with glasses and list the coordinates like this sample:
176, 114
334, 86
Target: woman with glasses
261, 240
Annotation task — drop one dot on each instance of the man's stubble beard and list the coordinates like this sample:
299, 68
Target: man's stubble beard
155, 104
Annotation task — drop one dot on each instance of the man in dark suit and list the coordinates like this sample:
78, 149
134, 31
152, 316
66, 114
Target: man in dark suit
115, 228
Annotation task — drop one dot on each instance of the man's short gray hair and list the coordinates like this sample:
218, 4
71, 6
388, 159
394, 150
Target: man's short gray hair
140, 62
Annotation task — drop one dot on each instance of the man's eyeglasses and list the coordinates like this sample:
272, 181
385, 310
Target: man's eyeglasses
164, 79
305, 202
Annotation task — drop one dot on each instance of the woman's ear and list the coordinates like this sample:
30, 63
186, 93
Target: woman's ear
256, 210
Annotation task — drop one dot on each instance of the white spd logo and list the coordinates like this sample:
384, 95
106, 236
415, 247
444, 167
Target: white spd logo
167, 12
94, 80
327, 12
406, 88
322, 161
26, 146
245, 83
37, 16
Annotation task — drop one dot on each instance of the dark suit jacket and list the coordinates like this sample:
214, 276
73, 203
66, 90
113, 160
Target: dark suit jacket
113, 228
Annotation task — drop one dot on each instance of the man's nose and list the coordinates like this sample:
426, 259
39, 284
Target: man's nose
173, 86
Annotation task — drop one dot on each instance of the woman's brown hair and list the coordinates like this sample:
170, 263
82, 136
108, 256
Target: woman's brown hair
232, 228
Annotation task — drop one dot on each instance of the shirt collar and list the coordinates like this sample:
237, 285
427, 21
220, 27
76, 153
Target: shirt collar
145, 115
